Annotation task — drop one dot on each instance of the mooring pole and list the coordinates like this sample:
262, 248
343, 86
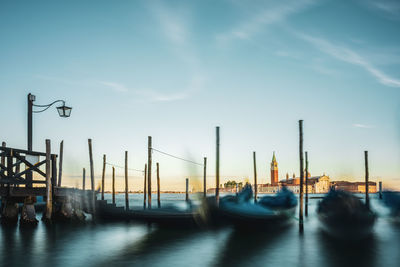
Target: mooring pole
113, 185
217, 167
306, 210
60, 163
103, 177
49, 194
158, 186
255, 176
145, 186
149, 152
93, 200
301, 226
3, 159
30, 106
187, 190
366, 179
30, 99
53, 175
380, 190
205, 177
126, 181
83, 179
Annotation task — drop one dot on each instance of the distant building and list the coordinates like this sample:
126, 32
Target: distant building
354, 187
316, 185
274, 171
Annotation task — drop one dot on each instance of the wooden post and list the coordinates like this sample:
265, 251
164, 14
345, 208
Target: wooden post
380, 190
3, 159
366, 179
49, 194
60, 163
205, 177
92, 177
113, 185
149, 152
126, 181
255, 177
103, 177
301, 227
306, 208
187, 190
145, 186
217, 167
158, 186
53, 175
83, 179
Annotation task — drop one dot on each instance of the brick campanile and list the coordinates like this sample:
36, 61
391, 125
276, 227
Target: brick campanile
274, 171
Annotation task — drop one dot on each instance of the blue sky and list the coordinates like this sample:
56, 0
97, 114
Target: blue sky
176, 69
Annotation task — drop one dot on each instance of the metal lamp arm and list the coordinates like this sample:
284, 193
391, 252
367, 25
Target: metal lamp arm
46, 106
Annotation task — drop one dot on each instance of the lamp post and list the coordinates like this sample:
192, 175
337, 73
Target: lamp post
63, 111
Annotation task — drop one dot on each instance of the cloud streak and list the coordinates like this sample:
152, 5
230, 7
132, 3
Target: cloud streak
350, 56
389, 8
267, 16
364, 126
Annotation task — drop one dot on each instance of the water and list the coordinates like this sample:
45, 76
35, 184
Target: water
129, 244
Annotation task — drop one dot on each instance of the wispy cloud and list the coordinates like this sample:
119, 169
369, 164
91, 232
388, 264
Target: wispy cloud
350, 56
364, 126
174, 26
150, 95
115, 86
389, 8
266, 16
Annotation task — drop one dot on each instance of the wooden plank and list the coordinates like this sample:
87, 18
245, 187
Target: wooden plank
49, 195
301, 227
158, 186
366, 179
60, 163
103, 174
187, 190
205, 177
126, 182
255, 176
83, 179
149, 152
113, 185
144, 188
217, 166
306, 205
93, 198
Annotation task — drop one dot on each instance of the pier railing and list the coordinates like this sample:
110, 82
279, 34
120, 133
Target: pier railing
18, 167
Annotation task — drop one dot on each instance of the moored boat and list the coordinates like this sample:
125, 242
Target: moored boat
268, 212
343, 215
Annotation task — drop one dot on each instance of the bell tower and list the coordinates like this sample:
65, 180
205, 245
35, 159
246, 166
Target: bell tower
274, 171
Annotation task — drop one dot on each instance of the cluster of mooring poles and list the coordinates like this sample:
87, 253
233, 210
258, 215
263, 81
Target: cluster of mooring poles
147, 173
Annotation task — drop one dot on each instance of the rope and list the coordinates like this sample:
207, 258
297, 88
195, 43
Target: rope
117, 166
167, 154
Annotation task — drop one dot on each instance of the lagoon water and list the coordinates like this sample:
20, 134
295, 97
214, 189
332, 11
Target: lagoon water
135, 244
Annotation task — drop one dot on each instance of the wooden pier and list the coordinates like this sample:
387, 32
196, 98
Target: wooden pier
22, 180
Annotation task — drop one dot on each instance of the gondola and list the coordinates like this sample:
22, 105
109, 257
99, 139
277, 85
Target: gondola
170, 216
344, 216
268, 212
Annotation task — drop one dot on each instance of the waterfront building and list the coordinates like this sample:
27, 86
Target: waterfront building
354, 187
316, 185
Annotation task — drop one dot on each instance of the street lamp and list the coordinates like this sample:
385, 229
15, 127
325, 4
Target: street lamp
63, 110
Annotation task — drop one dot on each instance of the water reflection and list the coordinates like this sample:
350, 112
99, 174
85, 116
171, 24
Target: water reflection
155, 242
245, 245
348, 252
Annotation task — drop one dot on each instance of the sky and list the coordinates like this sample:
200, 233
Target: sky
175, 70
